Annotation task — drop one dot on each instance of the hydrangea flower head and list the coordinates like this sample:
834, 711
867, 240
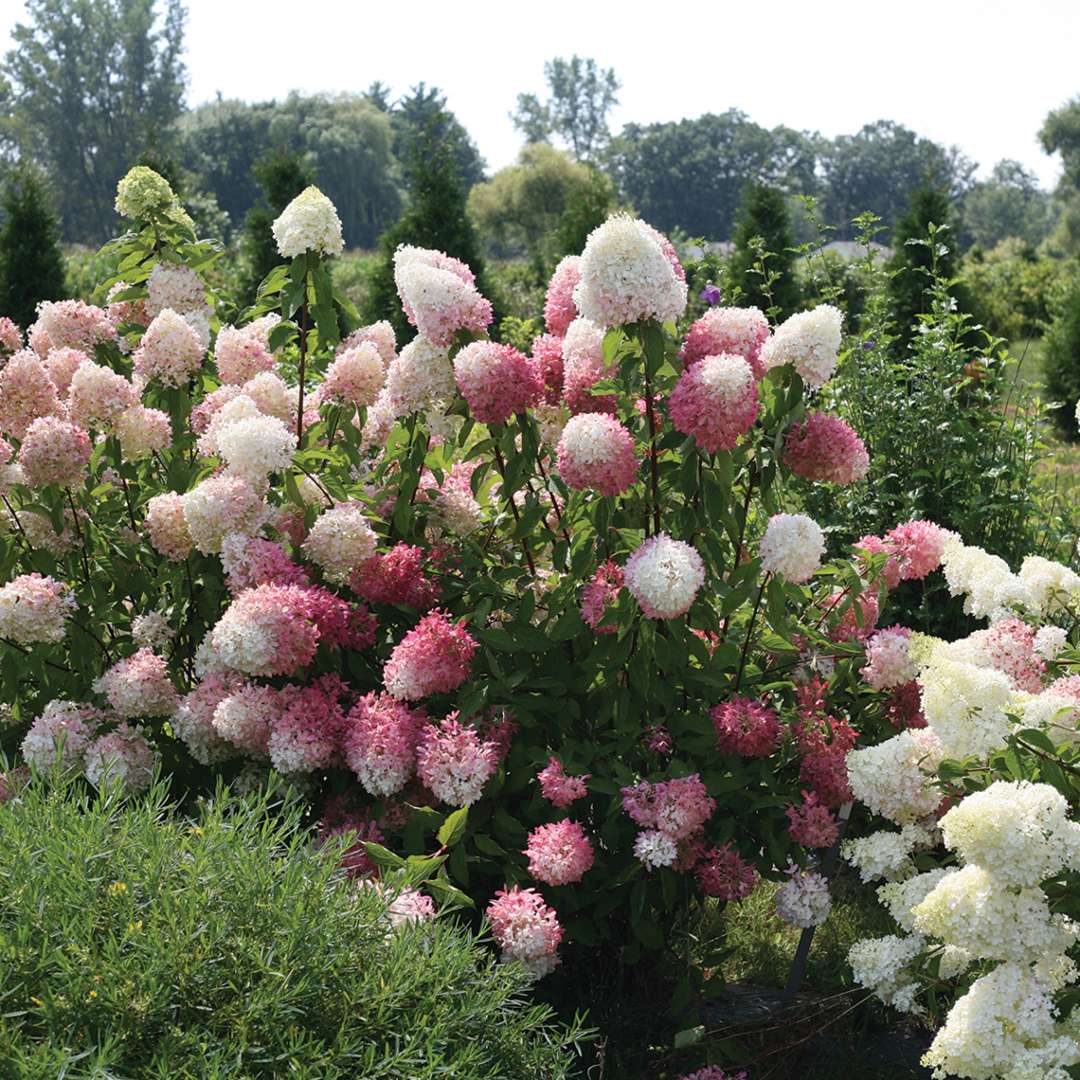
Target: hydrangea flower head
559, 853
715, 401
664, 576
596, 452
309, 223
736, 331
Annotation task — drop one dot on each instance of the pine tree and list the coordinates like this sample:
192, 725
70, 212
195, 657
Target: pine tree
763, 241
31, 262
435, 218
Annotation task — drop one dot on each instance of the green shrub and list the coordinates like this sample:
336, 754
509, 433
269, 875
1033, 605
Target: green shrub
135, 942
1061, 361
763, 262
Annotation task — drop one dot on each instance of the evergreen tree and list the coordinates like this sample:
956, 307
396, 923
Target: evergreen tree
435, 218
1061, 364
31, 262
763, 242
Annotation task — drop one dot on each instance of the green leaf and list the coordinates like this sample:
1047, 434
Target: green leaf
453, 828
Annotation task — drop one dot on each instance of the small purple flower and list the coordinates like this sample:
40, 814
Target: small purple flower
868, 344
710, 294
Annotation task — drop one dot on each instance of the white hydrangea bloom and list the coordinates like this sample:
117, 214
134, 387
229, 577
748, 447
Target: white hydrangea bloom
654, 848
810, 341
803, 900
793, 546
256, 446
990, 588
1050, 641
339, 541
966, 705
173, 286
882, 965
151, 630
419, 378
1050, 584
309, 223
664, 576
884, 854
895, 778
899, 897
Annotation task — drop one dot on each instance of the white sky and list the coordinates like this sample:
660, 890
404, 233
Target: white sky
978, 73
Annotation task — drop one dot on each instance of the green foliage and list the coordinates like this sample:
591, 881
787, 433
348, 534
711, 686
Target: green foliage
1008, 204
141, 942
31, 262
1061, 362
762, 266
422, 114
105, 74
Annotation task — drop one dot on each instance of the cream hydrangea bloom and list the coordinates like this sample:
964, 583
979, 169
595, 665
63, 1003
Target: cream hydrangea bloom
309, 223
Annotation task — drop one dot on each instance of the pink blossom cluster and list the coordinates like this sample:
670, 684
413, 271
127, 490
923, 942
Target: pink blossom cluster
715, 401
596, 452
380, 742
54, 451
380, 334
166, 526
219, 506
678, 808
307, 726
26, 393
914, 549
355, 377
559, 788
745, 728
241, 353
97, 395
170, 350
356, 828
454, 762
1009, 644
496, 381
858, 616
396, 577
525, 929
61, 364
599, 595
713, 1072
193, 720
11, 339
888, 664
142, 432
664, 576
432, 658
825, 448
547, 360
138, 685
559, 853
722, 872
812, 823
35, 608
60, 735
252, 560
824, 742
438, 294
738, 331
69, 324
122, 756
904, 707
559, 307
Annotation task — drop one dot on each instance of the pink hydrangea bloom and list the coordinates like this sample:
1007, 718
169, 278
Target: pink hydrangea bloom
1010, 646
69, 324
558, 788
244, 719
432, 658
379, 334
34, 608
54, 451
499, 728
139, 685
525, 928
240, 354
142, 432
396, 577
745, 727
888, 664
918, 546
600, 594
825, 742
812, 824
904, 707
857, 619
453, 762
203, 413
170, 350
597, 452
250, 560
725, 874
380, 740
355, 377
559, 853
438, 294
218, 506
167, 526
713, 1072
738, 331
193, 721
61, 364
1066, 686
583, 368
11, 339
664, 576
559, 307
547, 358
497, 381
715, 401
97, 395
60, 735
122, 756
825, 448
26, 393
679, 808
875, 545
306, 730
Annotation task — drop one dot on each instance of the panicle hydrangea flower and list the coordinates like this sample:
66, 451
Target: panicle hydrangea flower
193, 721
396, 577
725, 874
653, 849
142, 432
438, 294
125, 311
857, 618
306, 729
173, 286
218, 506
825, 448
432, 658
1009, 646
1050, 641
627, 276
547, 362
965, 705
1049, 584
525, 929
745, 727
61, 365
715, 401
97, 395
26, 393
309, 223
241, 353
803, 900
151, 630
170, 350
599, 595
255, 446
380, 740
824, 749
11, 339
138, 685
60, 735
496, 381
559, 853
202, 416
559, 788
596, 452
812, 824
664, 576
34, 608
355, 376
456, 509
54, 451
584, 367
895, 778
142, 193
738, 331
888, 662
918, 547
122, 756
420, 377
454, 762
380, 334
404, 906
882, 965
244, 718
559, 308
901, 897
808, 340
40, 535
237, 408
793, 546
990, 589
340, 542
166, 526
273, 398
678, 807
885, 854
69, 324
250, 560
1019, 831
713, 1072
875, 545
